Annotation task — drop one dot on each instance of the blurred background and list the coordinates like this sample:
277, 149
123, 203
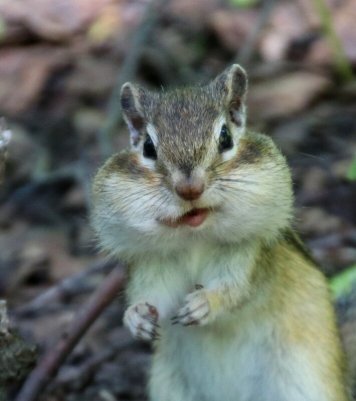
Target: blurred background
61, 66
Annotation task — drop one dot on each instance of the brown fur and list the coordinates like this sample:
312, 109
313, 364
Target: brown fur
304, 309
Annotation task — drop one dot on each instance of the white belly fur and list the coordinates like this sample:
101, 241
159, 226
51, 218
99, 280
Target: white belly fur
242, 356
231, 362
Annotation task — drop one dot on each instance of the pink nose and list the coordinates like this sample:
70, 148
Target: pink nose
190, 191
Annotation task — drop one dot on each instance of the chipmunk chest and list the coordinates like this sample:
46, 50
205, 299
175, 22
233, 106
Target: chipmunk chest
188, 268
200, 261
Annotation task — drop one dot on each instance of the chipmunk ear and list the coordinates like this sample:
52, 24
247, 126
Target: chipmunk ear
132, 99
232, 87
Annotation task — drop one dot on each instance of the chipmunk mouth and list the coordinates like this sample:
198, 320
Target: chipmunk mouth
193, 218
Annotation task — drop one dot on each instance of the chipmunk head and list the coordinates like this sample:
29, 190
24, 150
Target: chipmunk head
182, 133
192, 168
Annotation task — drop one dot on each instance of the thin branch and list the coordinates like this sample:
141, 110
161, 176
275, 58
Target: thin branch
247, 50
54, 358
66, 288
85, 371
127, 72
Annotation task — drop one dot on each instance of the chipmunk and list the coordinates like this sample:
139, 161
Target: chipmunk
201, 209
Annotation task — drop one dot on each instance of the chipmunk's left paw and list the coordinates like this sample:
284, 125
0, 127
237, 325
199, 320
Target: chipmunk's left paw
195, 311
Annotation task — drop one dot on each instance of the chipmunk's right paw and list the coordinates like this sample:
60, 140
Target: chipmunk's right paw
141, 319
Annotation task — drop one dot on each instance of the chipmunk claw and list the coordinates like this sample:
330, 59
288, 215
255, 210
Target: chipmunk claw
142, 321
195, 311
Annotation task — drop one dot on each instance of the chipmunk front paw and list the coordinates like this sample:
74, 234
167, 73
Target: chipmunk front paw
195, 311
141, 319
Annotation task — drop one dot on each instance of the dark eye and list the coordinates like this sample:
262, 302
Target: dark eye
225, 139
149, 149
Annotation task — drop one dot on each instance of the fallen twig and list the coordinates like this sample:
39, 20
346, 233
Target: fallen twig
68, 287
84, 372
53, 359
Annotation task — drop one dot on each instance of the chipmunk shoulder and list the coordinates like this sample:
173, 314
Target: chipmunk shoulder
201, 209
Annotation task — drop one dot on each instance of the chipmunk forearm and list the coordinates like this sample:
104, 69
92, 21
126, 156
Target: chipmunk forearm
232, 278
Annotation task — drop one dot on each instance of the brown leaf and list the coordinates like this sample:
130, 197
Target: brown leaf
232, 27
287, 23
197, 12
26, 68
51, 20
283, 96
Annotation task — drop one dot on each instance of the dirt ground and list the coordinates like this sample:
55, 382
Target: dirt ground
62, 62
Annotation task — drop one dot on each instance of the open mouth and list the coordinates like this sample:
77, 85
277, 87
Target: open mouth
193, 218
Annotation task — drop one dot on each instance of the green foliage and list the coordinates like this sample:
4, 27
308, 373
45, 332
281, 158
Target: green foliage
243, 3
351, 174
342, 283
341, 61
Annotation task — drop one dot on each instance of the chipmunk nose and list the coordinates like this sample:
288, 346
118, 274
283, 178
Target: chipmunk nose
190, 190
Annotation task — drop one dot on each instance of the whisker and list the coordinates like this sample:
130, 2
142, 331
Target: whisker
248, 197
235, 180
154, 197
233, 197
234, 190
158, 207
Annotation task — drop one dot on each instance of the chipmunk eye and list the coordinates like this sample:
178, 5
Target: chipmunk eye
225, 139
149, 149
